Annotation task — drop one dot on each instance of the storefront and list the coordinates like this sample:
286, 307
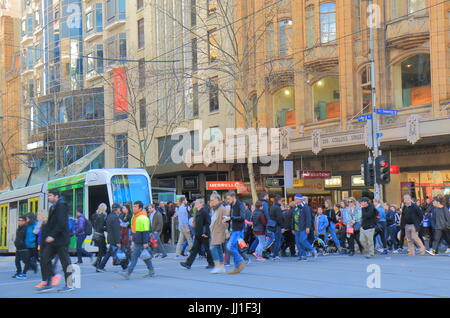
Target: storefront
425, 184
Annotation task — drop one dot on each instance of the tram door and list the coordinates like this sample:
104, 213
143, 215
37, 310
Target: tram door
12, 226
4, 226
96, 195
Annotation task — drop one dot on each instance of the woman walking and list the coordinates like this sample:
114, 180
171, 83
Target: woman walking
218, 227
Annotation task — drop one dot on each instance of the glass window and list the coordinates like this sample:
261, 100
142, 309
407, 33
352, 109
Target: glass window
99, 17
270, 41
193, 12
285, 37
327, 22
212, 6
326, 98
310, 27
142, 113
357, 14
90, 21
366, 89
140, 4
195, 100
284, 107
215, 133
121, 149
141, 34
128, 189
412, 81
194, 54
68, 197
141, 67
99, 60
110, 9
212, 45
213, 94
416, 6
122, 46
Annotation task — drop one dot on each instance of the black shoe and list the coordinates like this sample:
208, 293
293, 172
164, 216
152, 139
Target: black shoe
164, 256
302, 259
351, 253
100, 270
185, 265
15, 275
45, 289
78, 263
66, 289
182, 254
209, 266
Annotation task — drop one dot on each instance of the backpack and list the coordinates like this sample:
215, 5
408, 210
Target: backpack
87, 227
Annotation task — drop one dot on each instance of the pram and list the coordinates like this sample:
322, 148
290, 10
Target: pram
324, 244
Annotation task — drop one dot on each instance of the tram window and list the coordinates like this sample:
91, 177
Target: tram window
23, 208
68, 198
130, 188
79, 199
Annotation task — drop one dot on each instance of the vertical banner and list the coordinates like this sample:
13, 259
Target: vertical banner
120, 90
288, 174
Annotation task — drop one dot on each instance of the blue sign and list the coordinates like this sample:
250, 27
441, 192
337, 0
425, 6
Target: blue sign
379, 135
391, 112
365, 117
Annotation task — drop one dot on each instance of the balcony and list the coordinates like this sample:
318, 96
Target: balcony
321, 58
408, 32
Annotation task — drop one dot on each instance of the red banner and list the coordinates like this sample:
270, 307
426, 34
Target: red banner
315, 175
395, 169
120, 90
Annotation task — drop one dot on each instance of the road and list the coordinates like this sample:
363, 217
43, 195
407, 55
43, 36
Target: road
327, 276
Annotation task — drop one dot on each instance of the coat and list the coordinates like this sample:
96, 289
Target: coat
57, 225
113, 228
217, 228
21, 233
411, 215
202, 221
156, 222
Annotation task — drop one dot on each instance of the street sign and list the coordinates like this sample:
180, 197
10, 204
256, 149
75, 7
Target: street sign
365, 117
379, 135
390, 112
288, 174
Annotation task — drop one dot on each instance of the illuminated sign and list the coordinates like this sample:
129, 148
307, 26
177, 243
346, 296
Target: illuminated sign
333, 182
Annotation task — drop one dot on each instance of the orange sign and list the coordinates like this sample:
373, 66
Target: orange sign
224, 185
120, 90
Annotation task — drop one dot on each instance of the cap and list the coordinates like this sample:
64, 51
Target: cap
298, 196
116, 206
364, 199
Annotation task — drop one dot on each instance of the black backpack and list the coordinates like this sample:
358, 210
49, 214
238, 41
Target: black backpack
87, 227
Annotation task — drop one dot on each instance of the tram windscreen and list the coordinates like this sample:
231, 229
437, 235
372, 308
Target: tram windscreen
130, 188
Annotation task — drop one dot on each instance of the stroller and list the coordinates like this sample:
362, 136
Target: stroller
320, 245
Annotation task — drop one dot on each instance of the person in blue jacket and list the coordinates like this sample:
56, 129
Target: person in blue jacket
381, 229
321, 224
31, 241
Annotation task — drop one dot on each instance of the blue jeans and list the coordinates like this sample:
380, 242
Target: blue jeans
160, 248
232, 246
217, 253
271, 236
136, 250
259, 249
278, 241
254, 245
301, 240
80, 250
332, 231
111, 251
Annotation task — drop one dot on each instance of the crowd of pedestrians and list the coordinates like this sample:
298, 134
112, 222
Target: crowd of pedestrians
225, 229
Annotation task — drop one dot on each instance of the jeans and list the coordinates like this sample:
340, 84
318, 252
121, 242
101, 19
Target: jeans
111, 251
136, 250
50, 250
254, 245
259, 249
438, 235
271, 239
303, 245
80, 250
332, 231
22, 256
278, 241
232, 246
217, 253
392, 236
382, 233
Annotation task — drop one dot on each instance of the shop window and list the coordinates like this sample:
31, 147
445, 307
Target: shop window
285, 37
284, 107
412, 81
327, 22
310, 27
366, 89
326, 98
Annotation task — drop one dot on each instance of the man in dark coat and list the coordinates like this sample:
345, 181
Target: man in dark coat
276, 214
55, 240
411, 219
113, 230
202, 235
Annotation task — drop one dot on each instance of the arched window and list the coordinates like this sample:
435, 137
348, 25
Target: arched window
285, 37
366, 89
327, 22
412, 81
284, 106
326, 98
310, 27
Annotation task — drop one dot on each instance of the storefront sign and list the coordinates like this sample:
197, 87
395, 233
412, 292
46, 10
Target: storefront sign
309, 186
224, 185
343, 140
358, 181
120, 90
298, 183
190, 183
333, 182
315, 175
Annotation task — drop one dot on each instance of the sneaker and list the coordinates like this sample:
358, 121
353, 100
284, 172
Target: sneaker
21, 276
241, 266
41, 284
314, 253
276, 258
302, 259
100, 270
66, 289
185, 265
15, 275
255, 254
431, 252
215, 270
234, 271
447, 251
209, 266
163, 256
248, 261
260, 259
395, 252
125, 275
55, 280
149, 274
227, 265
45, 289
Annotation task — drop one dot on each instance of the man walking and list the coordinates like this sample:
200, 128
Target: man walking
80, 234
55, 239
183, 227
368, 223
381, 229
202, 223
140, 229
237, 217
156, 226
22, 254
440, 219
113, 230
302, 227
411, 219
276, 215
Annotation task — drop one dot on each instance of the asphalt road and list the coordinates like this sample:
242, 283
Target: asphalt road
327, 276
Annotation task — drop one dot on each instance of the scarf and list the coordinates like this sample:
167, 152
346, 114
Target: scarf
135, 217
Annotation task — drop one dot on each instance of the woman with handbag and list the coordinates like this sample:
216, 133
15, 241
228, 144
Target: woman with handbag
99, 225
352, 219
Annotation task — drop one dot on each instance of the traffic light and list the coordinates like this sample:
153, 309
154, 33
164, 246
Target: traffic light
382, 170
368, 173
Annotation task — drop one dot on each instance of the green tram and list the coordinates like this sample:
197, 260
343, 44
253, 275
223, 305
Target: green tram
84, 191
